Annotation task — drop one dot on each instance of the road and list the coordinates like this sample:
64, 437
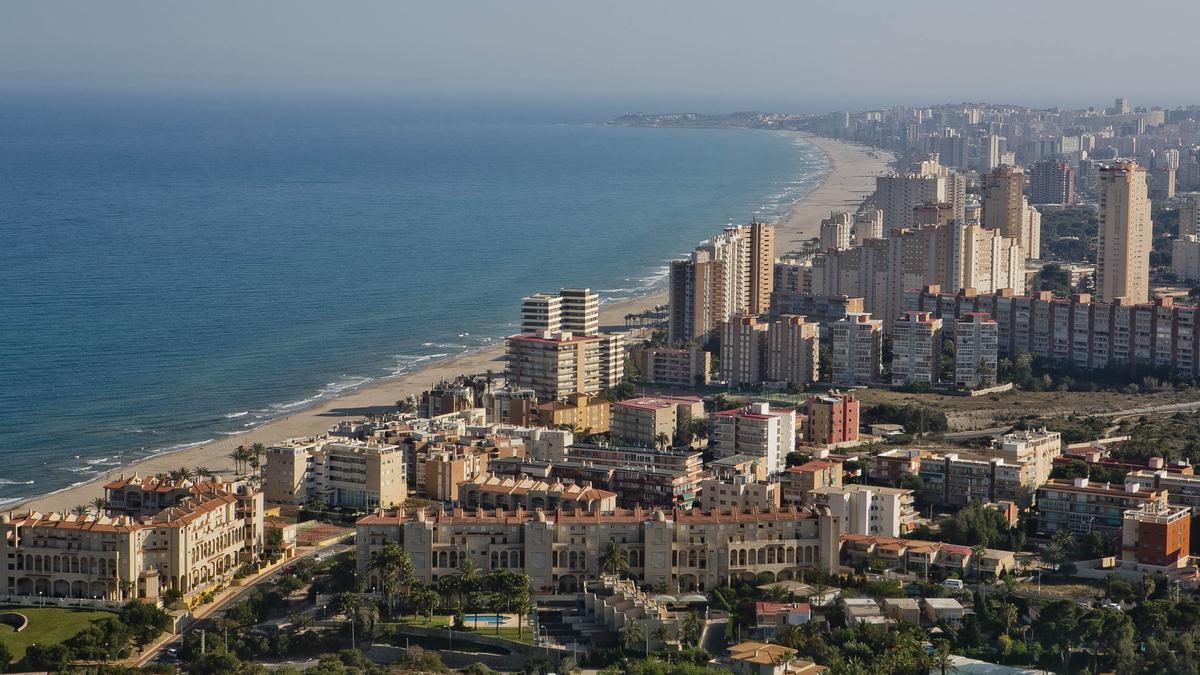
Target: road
158, 654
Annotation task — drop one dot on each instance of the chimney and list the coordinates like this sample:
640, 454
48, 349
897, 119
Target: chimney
1081, 482
1155, 463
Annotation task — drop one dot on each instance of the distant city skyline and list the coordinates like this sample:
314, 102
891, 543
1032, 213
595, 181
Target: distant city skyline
799, 57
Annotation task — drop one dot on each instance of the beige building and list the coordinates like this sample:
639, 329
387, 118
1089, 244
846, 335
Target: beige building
639, 422
867, 509
835, 231
209, 531
868, 224
793, 350
726, 275
681, 367
741, 494
758, 430
916, 349
926, 181
573, 310
1005, 209
444, 469
556, 365
1185, 257
743, 351
856, 343
1123, 248
504, 492
337, 472
577, 411
685, 550
1189, 214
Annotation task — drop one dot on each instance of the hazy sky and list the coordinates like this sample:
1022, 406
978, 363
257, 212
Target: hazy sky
805, 55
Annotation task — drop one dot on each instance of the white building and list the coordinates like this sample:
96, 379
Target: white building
916, 349
835, 231
976, 343
856, 342
1185, 257
867, 509
757, 430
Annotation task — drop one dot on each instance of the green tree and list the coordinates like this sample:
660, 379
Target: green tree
469, 576
393, 568
147, 621
613, 558
5, 658
633, 635
692, 630
424, 600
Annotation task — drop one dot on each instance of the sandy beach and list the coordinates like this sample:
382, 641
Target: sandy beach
850, 180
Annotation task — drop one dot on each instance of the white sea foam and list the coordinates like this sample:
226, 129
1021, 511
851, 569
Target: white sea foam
6, 481
231, 416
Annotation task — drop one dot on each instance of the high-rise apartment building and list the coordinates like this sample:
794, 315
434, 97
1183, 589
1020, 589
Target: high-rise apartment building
1005, 208
952, 150
729, 274
1185, 257
1051, 182
1189, 214
975, 351
989, 152
743, 351
556, 365
856, 345
868, 224
574, 310
868, 509
835, 231
337, 472
793, 351
1123, 249
927, 181
916, 349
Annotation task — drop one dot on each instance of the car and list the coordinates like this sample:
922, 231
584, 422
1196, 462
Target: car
953, 584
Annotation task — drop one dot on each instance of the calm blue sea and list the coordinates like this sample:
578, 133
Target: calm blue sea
170, 274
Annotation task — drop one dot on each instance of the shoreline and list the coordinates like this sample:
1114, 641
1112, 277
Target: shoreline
850, 172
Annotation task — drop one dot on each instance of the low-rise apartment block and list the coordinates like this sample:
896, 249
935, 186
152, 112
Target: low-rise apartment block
867, 509
644, 421
668, 367
757, 429
203, 533
1082, 507
1157, 535
832, 419
798, 481
497, 492
358, 474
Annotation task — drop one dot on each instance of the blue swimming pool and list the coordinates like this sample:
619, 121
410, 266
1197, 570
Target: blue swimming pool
490, 619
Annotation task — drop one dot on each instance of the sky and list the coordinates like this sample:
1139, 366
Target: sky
798, 55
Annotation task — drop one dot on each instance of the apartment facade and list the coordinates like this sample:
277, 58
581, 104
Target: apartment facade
976, 356
640, 422
726, 275
856, 345
1052, 181
682, 367
867, 509
743, 351
556, 365
1125, 234
1157, 535
793, 350
916, 349
835, 231
1082, 507
505, 492
1085, 333
560, 550
1185, 257
832, 419
188, 546
338, 472
756, 430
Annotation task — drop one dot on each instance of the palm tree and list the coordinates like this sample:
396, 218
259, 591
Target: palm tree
662, 634
1008, 616
693, 630
977, 552
98, 505
662, 440
394, 569
185, 473
940, 658
79, 510
632, 633
254, 456
778, 593
238, 455
613, 558
203, 472
469, 576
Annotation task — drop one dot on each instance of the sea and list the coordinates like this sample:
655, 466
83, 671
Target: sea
172, 271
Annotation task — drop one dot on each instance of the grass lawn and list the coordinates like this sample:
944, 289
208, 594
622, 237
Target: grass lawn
47, 625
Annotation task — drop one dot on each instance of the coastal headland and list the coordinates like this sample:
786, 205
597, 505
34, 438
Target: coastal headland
850, 179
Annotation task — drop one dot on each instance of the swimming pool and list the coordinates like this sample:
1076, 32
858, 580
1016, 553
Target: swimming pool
490, 619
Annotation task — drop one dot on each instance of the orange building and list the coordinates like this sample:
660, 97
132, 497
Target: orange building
1156, 534
832, 419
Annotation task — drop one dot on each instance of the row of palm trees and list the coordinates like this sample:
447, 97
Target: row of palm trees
248, 459
96, 507
691, 632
